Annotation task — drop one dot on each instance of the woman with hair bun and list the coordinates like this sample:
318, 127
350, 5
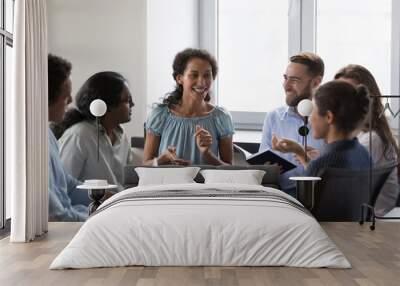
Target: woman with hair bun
339, 112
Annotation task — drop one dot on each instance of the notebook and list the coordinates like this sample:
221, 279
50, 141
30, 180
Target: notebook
263, 157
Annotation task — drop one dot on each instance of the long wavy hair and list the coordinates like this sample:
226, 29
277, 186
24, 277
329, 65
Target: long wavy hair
380, 125
107, 86
179, 65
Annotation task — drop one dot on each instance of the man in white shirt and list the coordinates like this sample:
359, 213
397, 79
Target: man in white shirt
303, 75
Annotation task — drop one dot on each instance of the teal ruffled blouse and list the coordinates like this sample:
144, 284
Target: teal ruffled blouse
179, 131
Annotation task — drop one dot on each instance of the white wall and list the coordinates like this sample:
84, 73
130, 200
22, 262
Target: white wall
98, 35
138, 38
171, 27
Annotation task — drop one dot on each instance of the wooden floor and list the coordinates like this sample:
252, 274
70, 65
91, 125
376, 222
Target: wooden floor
374, 255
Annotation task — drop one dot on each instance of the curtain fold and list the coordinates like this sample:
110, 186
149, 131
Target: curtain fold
27, 121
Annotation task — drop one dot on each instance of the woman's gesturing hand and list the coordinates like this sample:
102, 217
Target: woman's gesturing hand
286, 145
203, 139
312, 152
169, 157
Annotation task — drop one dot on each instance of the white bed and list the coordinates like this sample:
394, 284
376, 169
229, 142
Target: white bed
224, 225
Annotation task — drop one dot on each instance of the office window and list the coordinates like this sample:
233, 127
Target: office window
2, 171
357, 31
8, 85
254, 40
9, 11
252, 54
6, 43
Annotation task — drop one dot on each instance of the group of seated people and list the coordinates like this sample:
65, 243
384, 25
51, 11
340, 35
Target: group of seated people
185, 128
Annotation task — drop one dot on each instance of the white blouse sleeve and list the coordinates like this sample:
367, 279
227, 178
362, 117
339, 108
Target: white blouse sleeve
72, 153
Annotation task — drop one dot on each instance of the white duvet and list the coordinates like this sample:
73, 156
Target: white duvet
183, 231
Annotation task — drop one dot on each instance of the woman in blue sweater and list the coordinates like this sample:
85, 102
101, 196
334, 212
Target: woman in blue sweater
339, 112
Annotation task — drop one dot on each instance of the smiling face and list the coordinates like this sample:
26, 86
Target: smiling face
58, 108
298, 83
196, 79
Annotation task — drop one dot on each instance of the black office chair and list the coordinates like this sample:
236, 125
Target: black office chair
341, 193
138, 142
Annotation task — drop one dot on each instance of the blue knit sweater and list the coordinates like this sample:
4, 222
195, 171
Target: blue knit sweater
344, 154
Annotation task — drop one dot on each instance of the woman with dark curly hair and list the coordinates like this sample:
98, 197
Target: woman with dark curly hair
78, 143
339, 111
384, 149
186, 128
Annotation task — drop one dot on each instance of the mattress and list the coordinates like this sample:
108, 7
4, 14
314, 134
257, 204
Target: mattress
201, 225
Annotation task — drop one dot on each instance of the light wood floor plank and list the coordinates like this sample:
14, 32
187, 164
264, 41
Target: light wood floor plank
374, 255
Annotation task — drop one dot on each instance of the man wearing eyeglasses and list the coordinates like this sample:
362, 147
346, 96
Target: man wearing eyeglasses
303, 75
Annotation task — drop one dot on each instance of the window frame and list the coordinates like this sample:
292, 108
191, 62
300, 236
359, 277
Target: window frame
6, 39
302, 37
208, 33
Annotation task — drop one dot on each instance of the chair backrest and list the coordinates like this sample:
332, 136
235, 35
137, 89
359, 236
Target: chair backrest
340, 193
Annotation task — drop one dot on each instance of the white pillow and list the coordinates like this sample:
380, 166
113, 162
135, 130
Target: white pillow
248, 177
165, 176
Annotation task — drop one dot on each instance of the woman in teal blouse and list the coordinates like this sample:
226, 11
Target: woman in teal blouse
186, 128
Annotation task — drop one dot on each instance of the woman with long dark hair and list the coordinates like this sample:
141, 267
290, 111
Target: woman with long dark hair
79, 132
383, 144
186, 128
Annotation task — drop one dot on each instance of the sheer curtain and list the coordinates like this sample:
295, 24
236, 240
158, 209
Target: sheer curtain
26, 124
